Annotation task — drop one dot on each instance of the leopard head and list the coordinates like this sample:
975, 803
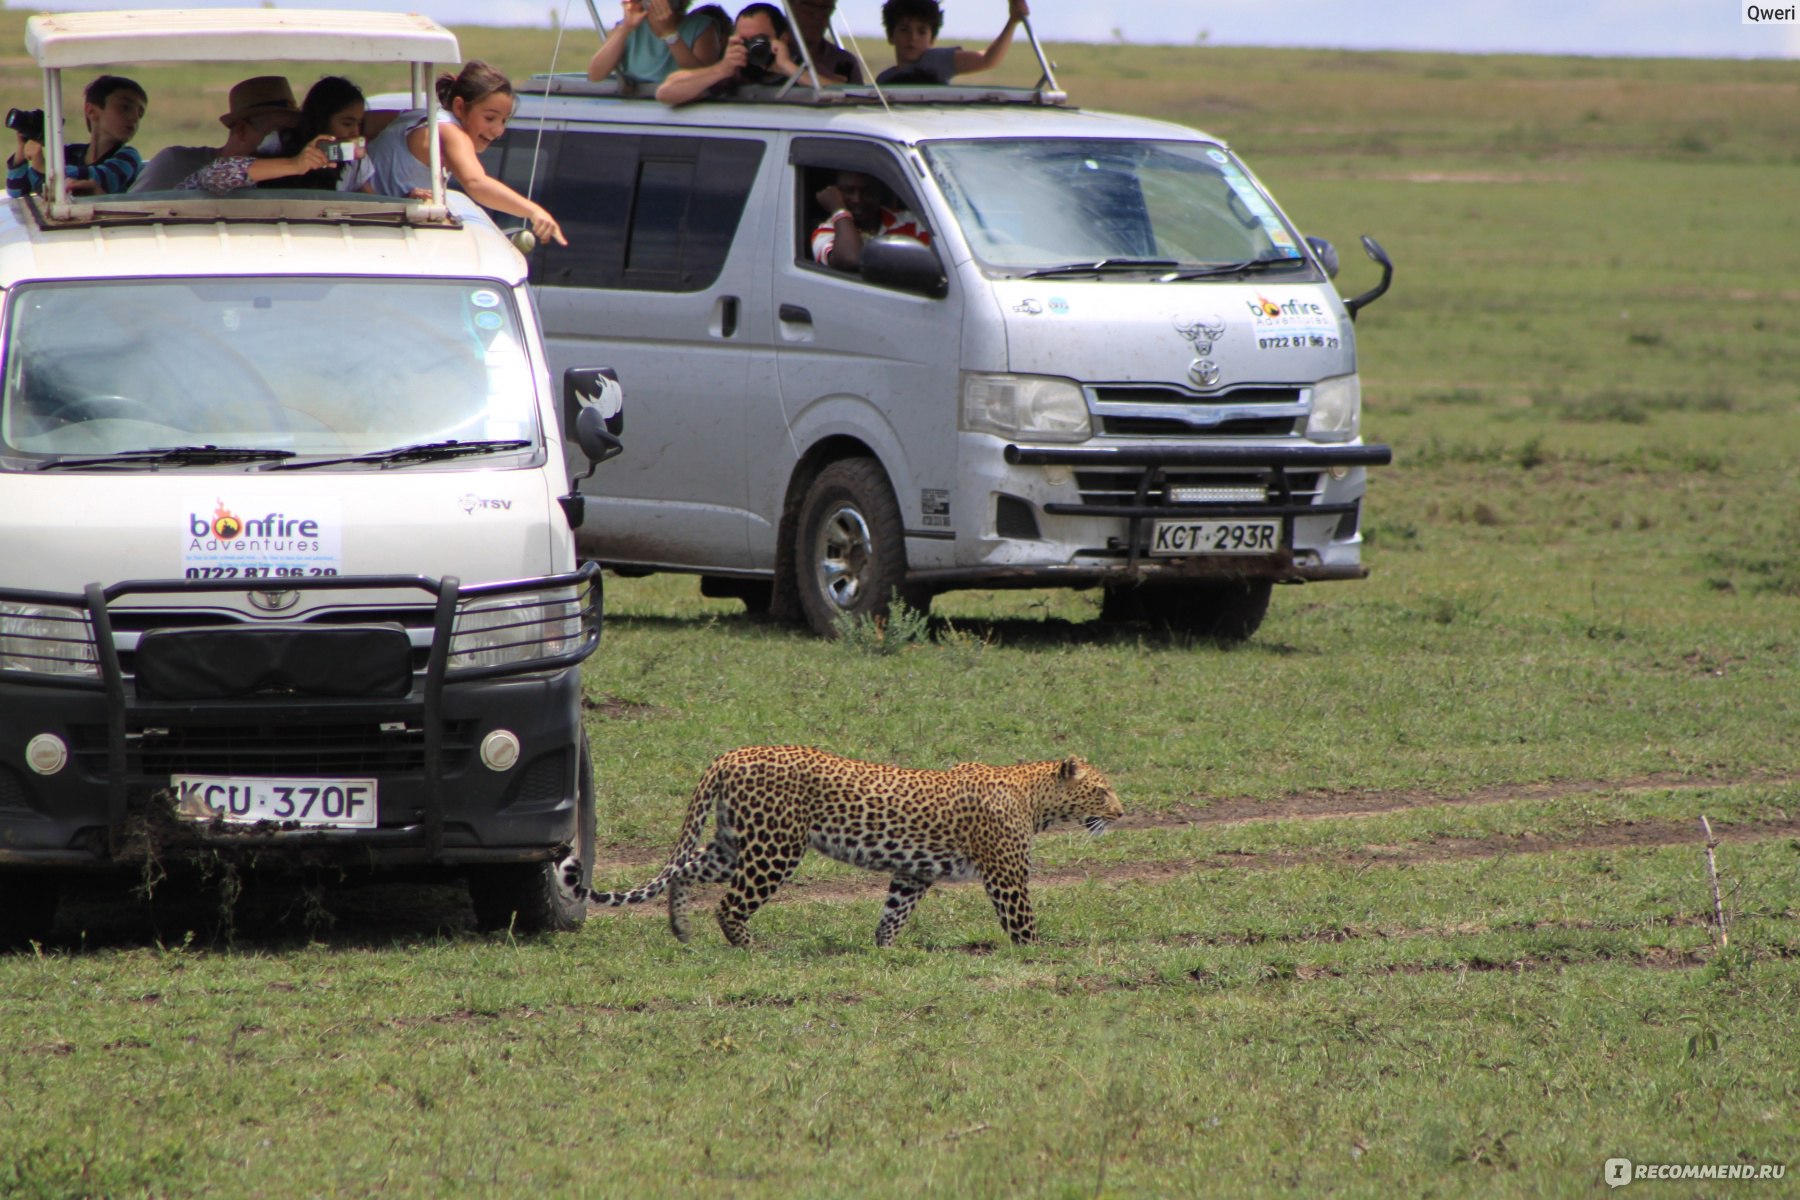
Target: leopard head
1079, 792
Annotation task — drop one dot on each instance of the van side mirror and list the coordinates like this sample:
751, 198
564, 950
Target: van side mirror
597, 389
596, 440
1373, 249
895, 260
1326, 253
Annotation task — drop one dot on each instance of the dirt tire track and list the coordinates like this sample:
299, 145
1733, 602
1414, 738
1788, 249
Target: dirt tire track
1626, 836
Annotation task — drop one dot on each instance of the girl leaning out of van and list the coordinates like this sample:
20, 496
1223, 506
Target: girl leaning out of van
476, 106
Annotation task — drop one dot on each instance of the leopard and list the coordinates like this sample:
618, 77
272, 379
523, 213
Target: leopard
770, 804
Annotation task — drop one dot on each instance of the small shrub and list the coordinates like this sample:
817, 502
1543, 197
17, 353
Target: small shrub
876, 633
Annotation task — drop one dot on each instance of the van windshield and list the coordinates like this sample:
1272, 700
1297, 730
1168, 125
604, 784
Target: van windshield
311, 366
1037, 204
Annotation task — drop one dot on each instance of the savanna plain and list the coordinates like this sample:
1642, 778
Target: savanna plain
1411, 898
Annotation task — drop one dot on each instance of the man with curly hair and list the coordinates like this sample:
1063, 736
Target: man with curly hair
912, 29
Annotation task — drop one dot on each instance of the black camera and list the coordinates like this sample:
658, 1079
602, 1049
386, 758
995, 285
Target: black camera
758, 52
28, 123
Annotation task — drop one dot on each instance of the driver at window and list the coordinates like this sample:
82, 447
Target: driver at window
858, 208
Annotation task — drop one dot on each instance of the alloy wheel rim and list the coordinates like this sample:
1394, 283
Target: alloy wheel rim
843, 550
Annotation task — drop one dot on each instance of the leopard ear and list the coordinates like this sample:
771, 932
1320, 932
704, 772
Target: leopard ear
1069, 768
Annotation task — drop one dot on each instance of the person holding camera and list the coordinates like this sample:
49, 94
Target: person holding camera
760, 51
106, 164
334, 108
259, 107
656, 38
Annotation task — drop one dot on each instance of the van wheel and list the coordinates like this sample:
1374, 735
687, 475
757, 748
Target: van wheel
28, 902
542, 897
1230, 610
850, 554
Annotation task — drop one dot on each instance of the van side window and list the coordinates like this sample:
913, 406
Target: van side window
646, 213
833, 177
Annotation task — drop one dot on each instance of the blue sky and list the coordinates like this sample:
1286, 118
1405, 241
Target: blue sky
1706, 28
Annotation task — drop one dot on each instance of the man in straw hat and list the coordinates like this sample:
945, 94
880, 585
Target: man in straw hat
259, 107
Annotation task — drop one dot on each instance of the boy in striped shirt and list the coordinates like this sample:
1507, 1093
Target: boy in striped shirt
105, 164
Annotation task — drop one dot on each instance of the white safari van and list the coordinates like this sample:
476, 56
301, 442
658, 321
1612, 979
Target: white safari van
1115, 364
286, 562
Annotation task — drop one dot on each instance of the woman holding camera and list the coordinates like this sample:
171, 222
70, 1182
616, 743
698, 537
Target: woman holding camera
656, 38
106, 164
760, 51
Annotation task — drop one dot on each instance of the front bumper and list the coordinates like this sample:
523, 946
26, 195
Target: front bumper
1087, 537
438, 803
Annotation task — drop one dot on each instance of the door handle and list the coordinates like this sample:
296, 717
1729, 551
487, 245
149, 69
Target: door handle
793, 314
725, 317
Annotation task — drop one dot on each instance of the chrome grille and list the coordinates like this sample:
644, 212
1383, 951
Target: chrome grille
1132, 410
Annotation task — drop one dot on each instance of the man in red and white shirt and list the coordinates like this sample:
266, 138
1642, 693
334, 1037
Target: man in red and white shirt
857, 213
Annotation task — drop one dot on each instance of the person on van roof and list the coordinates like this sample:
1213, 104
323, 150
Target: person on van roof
857, 204
656, 38
812, 19
259, 107
913, 26
477, 103
106, 163
760, 51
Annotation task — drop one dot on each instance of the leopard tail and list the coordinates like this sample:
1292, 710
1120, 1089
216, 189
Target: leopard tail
687, 851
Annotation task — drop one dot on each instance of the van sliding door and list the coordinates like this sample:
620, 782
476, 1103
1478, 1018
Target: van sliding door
650, 284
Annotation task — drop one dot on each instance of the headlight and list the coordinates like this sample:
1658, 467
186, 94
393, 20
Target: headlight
47, 639
1024, 406
1336, 409
501, 630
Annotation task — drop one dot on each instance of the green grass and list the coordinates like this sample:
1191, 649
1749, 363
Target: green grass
1466, 955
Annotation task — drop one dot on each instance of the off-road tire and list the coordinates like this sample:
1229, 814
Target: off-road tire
850, 547
542, 897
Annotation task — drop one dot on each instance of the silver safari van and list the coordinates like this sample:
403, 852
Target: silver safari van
1108, 359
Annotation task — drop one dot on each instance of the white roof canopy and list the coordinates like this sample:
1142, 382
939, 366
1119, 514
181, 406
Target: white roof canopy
92, 39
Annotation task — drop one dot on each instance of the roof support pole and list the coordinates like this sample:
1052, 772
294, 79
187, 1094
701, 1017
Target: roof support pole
1047, 86
56, 183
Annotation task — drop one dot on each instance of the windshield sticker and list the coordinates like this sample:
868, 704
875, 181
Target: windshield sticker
485, 298
1292, 324
1260, 210
489, 320
221, 541
1217, 156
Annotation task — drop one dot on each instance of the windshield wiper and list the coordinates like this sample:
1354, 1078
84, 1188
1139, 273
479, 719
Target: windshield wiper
1101, 266
1237, 268
421, 452
173, 456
